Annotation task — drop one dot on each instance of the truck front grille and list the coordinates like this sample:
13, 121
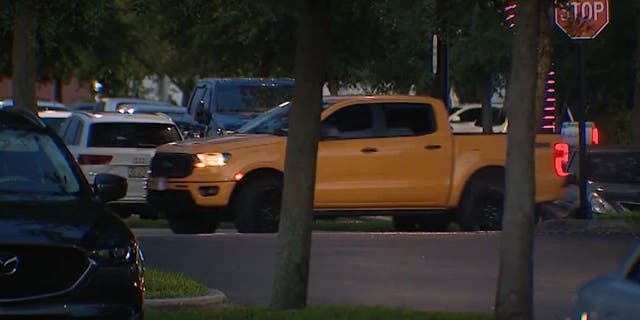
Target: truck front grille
172, 165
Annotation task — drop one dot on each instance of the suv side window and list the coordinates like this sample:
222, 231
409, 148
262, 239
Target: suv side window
352, 121
72, 133
408, 119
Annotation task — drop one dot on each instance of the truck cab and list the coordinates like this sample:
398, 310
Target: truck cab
225, 104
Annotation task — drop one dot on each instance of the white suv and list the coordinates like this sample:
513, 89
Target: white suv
121, 144
468, 119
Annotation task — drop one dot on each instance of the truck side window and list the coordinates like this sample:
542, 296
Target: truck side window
198, 96
408, 119
352, 121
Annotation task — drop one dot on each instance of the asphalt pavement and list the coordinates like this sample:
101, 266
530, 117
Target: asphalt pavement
425, 271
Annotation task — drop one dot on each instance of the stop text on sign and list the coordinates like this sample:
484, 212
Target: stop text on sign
584, 11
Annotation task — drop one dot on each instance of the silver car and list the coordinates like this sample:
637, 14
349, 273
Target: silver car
612, 297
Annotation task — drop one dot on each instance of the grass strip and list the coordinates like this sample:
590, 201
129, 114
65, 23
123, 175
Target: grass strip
627, 216
160, 284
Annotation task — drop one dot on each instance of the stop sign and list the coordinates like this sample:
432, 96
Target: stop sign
582, 19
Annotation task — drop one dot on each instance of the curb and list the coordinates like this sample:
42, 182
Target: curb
215, 297
598, 227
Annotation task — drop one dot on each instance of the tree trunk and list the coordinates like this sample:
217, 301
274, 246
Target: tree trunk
514, 298
635, 124
294, 240
484, 94
57, 89
24, 56
545, 54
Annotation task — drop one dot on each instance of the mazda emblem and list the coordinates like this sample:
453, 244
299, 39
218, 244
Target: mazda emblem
8, 265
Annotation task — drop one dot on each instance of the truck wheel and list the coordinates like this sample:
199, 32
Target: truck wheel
257, 206
482, 204
193, 223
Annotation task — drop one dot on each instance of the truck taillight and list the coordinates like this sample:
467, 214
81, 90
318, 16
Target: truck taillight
560, 158
94, 159
595, 135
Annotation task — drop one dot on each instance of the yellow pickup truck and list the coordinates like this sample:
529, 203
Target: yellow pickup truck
378, 155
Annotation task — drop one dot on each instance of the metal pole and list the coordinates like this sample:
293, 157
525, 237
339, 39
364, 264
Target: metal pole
585, 209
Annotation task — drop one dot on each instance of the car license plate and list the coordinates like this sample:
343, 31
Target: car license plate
158, 184
137, 172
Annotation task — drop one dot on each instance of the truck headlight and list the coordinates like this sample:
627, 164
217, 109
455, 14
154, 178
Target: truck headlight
599, 205
211, 159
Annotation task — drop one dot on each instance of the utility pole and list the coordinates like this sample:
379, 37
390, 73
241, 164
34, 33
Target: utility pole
440, 54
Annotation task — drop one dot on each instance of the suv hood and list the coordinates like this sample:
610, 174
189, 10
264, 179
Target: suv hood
222, 144
87, 225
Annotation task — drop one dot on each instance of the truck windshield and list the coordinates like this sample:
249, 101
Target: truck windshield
275, 121
250, 98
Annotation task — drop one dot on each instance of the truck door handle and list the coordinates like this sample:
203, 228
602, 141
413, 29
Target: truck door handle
432, 146
369, 150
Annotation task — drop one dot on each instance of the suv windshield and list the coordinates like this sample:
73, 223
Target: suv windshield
33, 166
614, 167
132, 135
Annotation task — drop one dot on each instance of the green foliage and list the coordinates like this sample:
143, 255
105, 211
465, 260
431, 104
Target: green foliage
626, 216
609, 61
614, 123
480, 47
160, 284
86, 38
198, 38
310, 313
381, 43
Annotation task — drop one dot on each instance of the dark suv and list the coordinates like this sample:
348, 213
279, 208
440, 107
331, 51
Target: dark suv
63, 254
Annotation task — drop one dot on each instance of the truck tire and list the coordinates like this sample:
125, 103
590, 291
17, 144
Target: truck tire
482, 203
193, 223
257, 205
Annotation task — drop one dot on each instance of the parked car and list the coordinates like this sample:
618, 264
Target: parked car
613, 182
63, 253
225, 104
468, 119
187, 124
379, 155
614, 296
54, 118
121, 144
114, 103
42, 105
